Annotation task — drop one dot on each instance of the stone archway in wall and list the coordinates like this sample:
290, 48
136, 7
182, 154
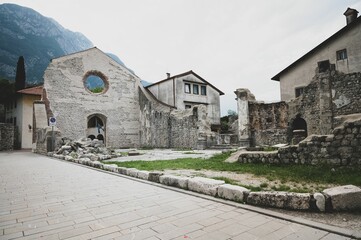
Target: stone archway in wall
96, 127
299, 129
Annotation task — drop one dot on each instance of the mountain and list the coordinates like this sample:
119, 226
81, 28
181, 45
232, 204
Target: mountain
25, 32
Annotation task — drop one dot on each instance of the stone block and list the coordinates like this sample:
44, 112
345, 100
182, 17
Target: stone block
233, 192
320, 201
69, 158
122, 170
110, 167
132, 172
295, 201
204, 185
96, 164
344, 197
154, 176
175, 181
143, 175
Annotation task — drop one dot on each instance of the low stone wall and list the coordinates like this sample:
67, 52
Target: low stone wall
333, 199
343, 147
6, 136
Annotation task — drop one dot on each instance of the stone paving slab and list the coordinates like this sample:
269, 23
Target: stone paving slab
50, 199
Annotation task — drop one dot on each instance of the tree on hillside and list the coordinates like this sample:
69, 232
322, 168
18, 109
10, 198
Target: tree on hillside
20, 77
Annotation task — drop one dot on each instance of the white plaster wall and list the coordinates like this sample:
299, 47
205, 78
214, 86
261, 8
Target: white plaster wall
27, 119
164, 92
211, 99
302, 74
71, 103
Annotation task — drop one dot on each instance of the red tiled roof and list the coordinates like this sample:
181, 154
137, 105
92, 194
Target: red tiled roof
32, 91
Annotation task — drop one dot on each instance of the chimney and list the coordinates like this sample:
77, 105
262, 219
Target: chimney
168, 75
351, 15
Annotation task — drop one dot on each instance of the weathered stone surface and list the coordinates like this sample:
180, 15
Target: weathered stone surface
297, 201
344, 197
320, 201
143, 175
175, 181
132, 172
6, 136
154, 176
69, 158
204, 185
111, 167
122, 170
232, 192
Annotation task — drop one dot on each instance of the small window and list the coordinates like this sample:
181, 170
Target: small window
323, 66
299, 91
14, 121
341, 55
195, 89
188, 106
187, 88
203, 90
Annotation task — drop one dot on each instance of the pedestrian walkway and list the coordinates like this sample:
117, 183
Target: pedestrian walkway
44, 198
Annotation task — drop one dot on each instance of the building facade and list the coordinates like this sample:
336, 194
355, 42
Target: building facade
340, 52
20, 113
91, 95
186, 90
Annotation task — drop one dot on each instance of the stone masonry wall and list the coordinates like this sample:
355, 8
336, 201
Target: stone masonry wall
165, 127
6, 136
268, 122
346, 92
72, 104
329, 95
342, 147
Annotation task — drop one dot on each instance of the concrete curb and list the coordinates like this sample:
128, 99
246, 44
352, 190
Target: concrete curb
132, 174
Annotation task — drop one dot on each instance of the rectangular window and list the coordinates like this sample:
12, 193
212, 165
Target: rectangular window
195, 89
299, 91
187, 88
203, 90
14, 121
341, 55
188, 106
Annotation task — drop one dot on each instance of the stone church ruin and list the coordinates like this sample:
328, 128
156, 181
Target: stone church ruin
119, 111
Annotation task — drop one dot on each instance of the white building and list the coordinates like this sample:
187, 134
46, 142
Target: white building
341, 51
186, 90
20, 113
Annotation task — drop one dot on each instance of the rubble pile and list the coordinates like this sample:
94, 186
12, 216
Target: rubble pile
84, 148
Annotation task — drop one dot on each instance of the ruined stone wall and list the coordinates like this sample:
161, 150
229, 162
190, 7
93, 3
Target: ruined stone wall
346, 93
6, 136
72, 104
165, 127
342, 147
329, 95
268, 122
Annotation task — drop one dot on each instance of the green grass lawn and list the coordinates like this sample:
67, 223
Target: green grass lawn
295, 173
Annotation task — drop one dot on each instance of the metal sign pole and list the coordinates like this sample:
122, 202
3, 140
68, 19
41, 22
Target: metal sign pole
52, 139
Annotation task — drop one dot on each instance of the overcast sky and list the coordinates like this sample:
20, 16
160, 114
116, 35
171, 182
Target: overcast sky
230, 43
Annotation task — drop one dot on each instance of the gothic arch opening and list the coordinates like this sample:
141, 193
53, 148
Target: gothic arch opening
96, 127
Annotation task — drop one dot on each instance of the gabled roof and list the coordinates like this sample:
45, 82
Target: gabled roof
185, 74
351, 25
32, 91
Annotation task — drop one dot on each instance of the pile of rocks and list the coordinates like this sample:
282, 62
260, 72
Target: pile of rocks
84, 148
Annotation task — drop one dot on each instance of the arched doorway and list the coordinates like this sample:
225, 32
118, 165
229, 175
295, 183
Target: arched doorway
96, 126
299, 129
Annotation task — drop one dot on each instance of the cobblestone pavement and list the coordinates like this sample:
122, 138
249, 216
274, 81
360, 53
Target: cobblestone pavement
43, 198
